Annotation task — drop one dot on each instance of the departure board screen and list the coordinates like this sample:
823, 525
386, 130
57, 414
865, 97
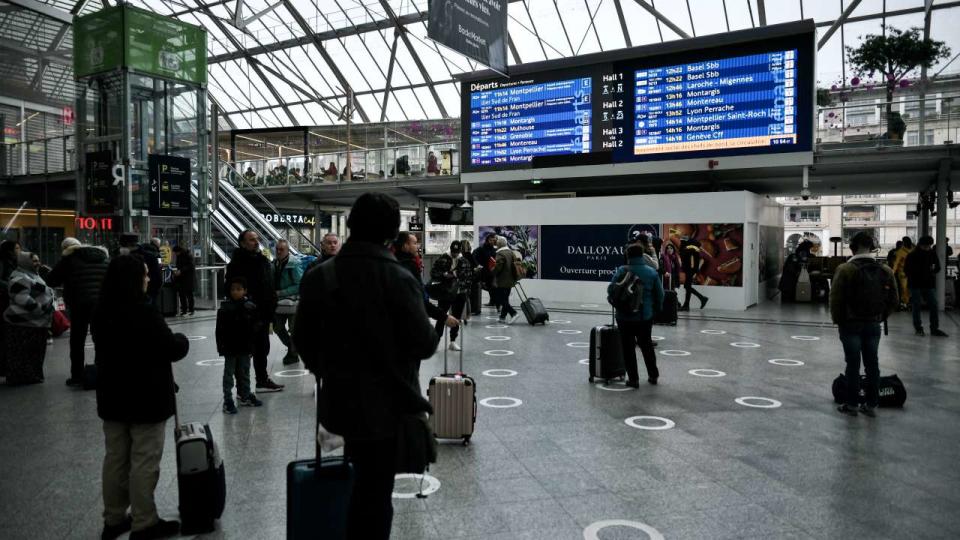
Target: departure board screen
704, 98
740, 102
514, 122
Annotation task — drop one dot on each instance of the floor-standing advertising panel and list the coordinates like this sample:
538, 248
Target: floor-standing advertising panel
586, 252
524, 239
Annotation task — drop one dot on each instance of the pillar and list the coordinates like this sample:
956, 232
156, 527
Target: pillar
943, 184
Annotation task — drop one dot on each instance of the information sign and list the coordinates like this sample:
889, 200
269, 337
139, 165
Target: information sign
169, 185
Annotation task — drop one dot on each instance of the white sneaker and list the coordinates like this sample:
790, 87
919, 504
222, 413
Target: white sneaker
453, 346
511, 320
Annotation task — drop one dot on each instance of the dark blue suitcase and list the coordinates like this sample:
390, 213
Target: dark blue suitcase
318, 500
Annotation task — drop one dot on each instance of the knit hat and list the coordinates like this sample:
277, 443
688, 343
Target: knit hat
69, 242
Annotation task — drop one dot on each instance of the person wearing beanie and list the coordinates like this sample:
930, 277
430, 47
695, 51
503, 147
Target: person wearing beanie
80, 272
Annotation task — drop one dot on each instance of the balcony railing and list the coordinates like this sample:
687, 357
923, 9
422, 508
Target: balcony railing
841, 126
40, 156
394, 163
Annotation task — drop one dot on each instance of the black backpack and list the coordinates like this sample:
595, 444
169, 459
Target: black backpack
627, 293
873, 292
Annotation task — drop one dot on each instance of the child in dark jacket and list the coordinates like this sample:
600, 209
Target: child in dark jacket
235, 329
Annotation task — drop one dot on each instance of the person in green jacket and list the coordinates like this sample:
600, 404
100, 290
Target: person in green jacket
286, 277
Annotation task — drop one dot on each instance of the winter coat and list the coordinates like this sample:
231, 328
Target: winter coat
236, 323
30, 299
134, 350
844, 278
921, 268
286, 276
671, 266
410, 263
80, 272
652, 289
151, 257
482, 256
504, 275
364, 341
256, 269
187, 268
900, 259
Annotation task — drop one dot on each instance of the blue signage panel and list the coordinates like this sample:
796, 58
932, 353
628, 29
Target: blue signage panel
585, 252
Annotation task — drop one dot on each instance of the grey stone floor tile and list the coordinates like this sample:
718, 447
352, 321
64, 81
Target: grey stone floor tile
478, 520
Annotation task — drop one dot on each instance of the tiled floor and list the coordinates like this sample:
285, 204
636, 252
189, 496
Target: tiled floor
565, 459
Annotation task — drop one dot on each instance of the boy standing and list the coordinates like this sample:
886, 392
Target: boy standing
235, 327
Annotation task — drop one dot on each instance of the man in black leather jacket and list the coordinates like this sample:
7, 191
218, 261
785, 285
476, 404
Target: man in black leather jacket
364, 338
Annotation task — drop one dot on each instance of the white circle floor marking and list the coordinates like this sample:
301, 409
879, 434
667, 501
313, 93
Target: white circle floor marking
585, 361
672, 352
785, 362
559, 321
498, 352
805, 338
514, 402
713, 332
500, 373
592, 532
211, 362
745, 345
589, 305
707, 373
666, 423
657, 338
569, 332
497, 338
495, 326
432, 485
767, 402
195, 338
616, 387
578, 344
291, 373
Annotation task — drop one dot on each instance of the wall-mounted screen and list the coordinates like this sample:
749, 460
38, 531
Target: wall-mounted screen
747, 93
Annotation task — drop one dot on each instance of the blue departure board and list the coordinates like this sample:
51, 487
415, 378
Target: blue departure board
741, 102
510, 124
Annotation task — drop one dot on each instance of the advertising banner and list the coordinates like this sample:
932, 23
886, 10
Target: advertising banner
713, 251
101, 194
169, 185
522, 238
586, 252
98, 42
474, 28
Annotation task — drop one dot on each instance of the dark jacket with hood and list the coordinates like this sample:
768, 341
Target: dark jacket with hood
134, 351
257, 270
376, 333
237, 320
80, 272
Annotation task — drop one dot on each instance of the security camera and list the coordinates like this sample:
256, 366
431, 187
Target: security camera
805, 194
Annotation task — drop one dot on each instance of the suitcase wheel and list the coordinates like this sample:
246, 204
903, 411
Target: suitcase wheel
466, 441
590, 379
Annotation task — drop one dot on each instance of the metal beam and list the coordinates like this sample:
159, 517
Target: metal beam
47, 10
837, 23
54, 45
416, 57
662, 18
623, 23
513, 50
762, 12
312, 98
318, 44
257, 16
54, 57
386, 91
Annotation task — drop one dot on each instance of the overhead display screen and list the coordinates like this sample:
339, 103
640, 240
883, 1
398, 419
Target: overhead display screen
744, 99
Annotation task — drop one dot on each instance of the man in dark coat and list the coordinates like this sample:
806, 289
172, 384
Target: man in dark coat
921, 268
482, 256
363, 338
406, 249
248, 262
80, 272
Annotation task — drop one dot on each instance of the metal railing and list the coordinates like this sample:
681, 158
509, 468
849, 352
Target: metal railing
394, 163
872, 127
208, 286
39, 156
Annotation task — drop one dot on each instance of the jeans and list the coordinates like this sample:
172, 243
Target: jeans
633, 333
80, 318
236, 367
917, 297
283, 325
261, 349
456, 308
371, 505
502, 299
131, 469
861, 341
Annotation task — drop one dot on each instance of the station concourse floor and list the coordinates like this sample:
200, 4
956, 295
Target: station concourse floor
564, 459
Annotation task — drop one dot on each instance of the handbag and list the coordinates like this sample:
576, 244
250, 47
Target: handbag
416, 445
60, 324
287, 305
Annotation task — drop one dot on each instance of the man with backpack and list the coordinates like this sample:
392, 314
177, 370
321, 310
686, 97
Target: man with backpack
636, 292
921, 268
864, 294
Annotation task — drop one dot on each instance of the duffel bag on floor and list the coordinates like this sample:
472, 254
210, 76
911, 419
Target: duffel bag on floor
892, 392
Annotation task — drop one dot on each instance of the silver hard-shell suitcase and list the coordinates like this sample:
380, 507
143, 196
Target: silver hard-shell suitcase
453, 397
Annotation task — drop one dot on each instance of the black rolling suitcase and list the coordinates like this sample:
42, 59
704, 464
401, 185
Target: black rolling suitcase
606, 353
201, 479
533, 308
318, 498
668, 314
167, 300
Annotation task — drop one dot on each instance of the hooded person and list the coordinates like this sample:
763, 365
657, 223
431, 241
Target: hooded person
150, 254
80, 272
27, 320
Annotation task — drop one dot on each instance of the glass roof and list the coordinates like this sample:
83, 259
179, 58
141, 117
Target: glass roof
288, 62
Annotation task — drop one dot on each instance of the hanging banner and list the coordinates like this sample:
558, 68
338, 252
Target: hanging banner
169, 185
101, 194
474, 28
586, 252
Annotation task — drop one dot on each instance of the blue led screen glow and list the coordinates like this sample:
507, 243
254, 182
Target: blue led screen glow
511, 125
